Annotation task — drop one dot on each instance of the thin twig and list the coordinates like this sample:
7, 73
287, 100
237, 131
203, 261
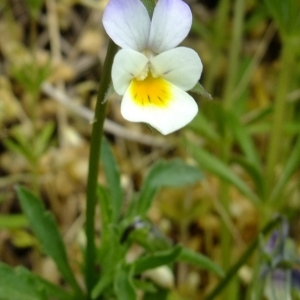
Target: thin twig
109, 126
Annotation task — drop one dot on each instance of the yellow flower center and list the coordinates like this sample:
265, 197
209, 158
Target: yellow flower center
151, 91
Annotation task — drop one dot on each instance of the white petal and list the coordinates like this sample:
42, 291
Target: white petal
181, 66
179, 111
171, 23
127, 23
127, 65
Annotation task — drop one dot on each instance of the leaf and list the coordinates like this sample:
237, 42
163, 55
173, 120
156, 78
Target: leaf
34, 7
199, 89
123, 285
20, 148
217, 167
46, 230
112, 174
13, 221
256, 174
290, 167
243, 138
156, 260
43, 139
203, 127
173, 173
200, 261
18, 283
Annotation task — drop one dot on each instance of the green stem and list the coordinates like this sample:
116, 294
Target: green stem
234, 54
219, 38
234, 269
285, 76
234, 59
97, 131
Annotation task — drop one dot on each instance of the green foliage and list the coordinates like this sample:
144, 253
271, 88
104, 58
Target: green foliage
31, 75
45, 228
173, 173
31, 148
214, 165
199, 89
123, 284
18, 283
119, 232
157, 259
13, 221
34, 7
286, 14
200, 261
113, 180
289, 169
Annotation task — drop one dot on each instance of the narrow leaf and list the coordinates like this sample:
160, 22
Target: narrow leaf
46, 230
290, 167
13, 221
199, 89
242, 136
173, 173
203, 127
156, 260
217, 167
18, 283
200, 261
123, 285
112, 174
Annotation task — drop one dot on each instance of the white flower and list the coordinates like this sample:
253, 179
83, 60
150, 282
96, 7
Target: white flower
150, 73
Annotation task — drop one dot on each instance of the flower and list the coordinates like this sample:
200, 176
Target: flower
149, 72
278, 272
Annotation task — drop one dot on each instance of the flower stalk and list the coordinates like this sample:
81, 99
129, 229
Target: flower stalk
94, 157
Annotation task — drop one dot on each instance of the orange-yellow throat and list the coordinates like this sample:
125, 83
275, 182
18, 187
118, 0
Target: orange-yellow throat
151, 91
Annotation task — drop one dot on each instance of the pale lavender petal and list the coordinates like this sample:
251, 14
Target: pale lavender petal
171, 23
127, 23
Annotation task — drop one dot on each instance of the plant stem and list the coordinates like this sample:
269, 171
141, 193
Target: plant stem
234, 269
234, 58
219, 38
97, 131
286, 73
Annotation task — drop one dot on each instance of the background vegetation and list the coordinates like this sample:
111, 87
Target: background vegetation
227, 180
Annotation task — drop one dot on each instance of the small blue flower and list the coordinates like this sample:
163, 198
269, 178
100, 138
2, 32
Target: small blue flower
279, 271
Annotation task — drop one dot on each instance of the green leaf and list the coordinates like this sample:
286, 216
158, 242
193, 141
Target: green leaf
290, 167
157, 259
123, 284
287, 16
45, 228
243, 138
256, 174
34, 7
200, 261
160, 294
43, 139
173, 173
112, 174
13, 221
20, 148
18, 283
217, 167
199, 89
203, 127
